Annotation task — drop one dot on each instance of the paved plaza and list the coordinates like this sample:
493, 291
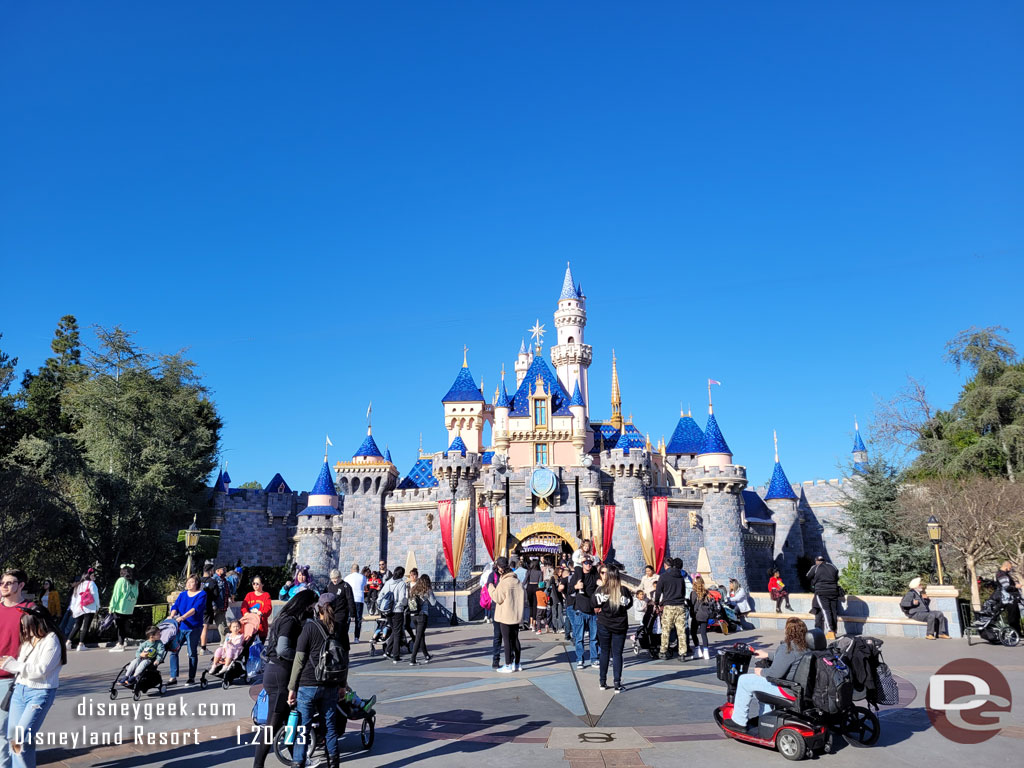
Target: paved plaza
456, 711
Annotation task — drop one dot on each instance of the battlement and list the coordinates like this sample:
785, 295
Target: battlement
730, 477
411, 496
618, 463
252, 499
685, 493
453, 466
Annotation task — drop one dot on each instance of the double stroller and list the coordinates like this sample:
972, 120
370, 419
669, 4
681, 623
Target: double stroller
989, 623
249, 663
382, 636
150, 677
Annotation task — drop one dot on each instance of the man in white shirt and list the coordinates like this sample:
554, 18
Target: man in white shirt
357, 581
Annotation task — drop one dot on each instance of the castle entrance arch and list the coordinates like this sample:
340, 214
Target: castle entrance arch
542, 539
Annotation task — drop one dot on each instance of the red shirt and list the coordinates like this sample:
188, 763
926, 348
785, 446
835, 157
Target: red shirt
10, 634
263, 603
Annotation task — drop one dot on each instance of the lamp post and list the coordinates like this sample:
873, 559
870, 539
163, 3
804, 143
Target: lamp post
191, 542
935, 534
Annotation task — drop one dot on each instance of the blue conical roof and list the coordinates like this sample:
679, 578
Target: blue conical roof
577, 398
503, 398
687, 437
858, 444
779, 487
368, 449
860, 468
559, 397
463, 389
225, 479
274, 486
387, 455
457, 445
713, 441
579, 291
522, 347
622, 444
324, 484
568, 286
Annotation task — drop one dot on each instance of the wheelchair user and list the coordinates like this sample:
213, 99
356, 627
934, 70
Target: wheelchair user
788, 655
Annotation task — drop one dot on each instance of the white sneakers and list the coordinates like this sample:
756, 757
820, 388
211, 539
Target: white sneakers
519, 667
80, 647
117, 648
507, 669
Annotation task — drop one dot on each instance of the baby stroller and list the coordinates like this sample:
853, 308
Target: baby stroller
990, 625
648, 635
723, 618
382, 634
240, 665
150, 677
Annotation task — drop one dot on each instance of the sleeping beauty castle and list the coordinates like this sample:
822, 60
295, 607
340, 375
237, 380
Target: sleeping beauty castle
555, 471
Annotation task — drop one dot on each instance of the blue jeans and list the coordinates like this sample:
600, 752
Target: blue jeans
579, 621
28, 709
570, 612
5, 750
745, 687
357, 619
323, 700
190, 640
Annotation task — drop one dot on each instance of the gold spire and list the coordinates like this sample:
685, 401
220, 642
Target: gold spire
775, 437
616, 420
502, 371
465, 351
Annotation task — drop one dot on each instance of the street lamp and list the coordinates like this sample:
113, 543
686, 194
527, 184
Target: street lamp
935, 534
191, 542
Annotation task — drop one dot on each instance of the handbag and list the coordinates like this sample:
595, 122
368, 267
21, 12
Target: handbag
888, 691
85, 597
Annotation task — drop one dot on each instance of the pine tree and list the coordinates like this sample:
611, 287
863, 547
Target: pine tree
44, 390
886, 558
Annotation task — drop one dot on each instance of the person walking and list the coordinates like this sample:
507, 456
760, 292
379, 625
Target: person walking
534, 576
393, 600
421, 597
611, 603
565, 592
496, 642
12, 585
670, 597
122, 603
258, 600
701, 608
824, 579
338, 586
320, 671
37, 665
584, 584
778, 592
85, 602
357, 583
509, 598
1008, 593
282, 640
188, 611
50, 598
210, 584
374, 582
917, 606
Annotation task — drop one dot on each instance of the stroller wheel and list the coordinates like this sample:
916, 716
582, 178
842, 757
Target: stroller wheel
1010, 637
791, 745
203, 682
226, 684
861, 727
137, 695
366, 731
113, 694
162, 689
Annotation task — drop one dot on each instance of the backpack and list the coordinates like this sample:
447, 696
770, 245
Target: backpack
414, 604
332, 666
386, 601
485, 598
212, 590
833, 686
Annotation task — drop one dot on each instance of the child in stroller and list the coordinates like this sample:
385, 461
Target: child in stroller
648, 635
141, 673
382, 633
229, 661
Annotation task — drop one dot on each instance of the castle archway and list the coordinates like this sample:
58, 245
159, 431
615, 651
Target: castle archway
542, 538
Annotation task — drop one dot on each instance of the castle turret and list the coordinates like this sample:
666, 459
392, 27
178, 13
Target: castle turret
570, 356
465, 410
523, 360
616, 419
456, 470
789, 537
714, 451
579, 419
685, 443
313, 542
630, 468
860, 452
502, 406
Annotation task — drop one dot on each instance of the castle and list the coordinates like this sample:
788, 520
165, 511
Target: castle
552, 471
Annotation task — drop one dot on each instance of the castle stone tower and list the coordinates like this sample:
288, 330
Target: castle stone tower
364, 483
628, 468
456, 470
570, 356
314, 537
465, 410
789, 536
502, 407
860, 452
523, 360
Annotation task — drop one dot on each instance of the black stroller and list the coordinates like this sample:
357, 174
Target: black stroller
238, 668
150, 677
382, 634
648, 635
989, 624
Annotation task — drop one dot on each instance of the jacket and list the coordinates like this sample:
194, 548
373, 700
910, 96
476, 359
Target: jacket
741, 601
508, 599
400, 589
77, 609
53, 603
824, 580
614, 618
909, 600
124, 597
582, 597
670, 590
37, 666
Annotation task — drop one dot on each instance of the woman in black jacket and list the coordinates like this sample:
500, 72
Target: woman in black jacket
534, 576
611, 602
701, 608
280, 653
421, 597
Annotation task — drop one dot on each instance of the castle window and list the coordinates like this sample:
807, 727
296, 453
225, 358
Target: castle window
542, 454
540, 413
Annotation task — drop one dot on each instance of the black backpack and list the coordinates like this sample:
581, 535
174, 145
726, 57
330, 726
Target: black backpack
833, 686
332, 666
211, 587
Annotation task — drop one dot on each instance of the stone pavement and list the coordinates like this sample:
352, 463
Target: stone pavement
457, 710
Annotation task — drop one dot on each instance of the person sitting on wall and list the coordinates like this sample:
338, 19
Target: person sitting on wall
916, 605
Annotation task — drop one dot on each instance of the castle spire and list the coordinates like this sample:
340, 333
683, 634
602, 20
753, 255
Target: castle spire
568, 285
775, 437
465, 353
711, 409
616, 420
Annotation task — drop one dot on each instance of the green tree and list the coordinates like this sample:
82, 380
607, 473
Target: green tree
10, 421
884, 558
42, 391
252, 484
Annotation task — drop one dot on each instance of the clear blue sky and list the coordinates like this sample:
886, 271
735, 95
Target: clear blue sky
325, 201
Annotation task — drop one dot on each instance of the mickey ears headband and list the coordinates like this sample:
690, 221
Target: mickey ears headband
127, 565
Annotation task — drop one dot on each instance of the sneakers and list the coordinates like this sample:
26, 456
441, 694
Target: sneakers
707, 653
579, 665
604, 687
368, 703
495, 664
619, 687
944, 637
202, 650
929, 637
519, 667
506, 670
117, 648
80, 647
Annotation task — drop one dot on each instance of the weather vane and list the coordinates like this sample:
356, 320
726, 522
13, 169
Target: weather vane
537, 334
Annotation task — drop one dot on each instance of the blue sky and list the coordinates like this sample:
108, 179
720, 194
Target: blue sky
324, 202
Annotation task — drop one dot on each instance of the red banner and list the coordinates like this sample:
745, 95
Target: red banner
659, 527
486, 529
444, 513
608, 526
